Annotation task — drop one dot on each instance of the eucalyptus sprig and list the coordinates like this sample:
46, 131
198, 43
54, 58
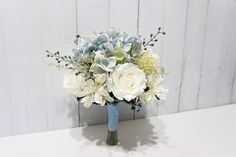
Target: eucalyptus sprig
153, 38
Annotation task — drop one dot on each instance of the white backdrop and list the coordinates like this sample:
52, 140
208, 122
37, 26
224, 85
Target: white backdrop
198, 52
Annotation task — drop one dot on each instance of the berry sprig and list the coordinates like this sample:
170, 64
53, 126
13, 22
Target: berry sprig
65, 60
153, 38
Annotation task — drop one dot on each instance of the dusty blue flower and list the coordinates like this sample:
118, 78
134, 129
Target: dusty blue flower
89, 48
101, 38
102, 64
75, 52
136, 44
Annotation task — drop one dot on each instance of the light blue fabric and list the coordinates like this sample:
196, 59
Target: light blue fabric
113, 110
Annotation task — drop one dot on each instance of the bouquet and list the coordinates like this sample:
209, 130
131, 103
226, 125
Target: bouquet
108, 67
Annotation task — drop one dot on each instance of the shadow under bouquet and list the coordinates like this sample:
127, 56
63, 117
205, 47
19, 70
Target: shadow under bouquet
108, 67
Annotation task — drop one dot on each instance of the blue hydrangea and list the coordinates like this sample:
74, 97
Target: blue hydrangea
107, 41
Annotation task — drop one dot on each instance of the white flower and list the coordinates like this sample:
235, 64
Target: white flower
127, 82
99, 92
92, 91
155, 89
76, 85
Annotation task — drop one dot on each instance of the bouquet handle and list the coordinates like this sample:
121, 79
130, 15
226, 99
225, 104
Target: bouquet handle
113, 110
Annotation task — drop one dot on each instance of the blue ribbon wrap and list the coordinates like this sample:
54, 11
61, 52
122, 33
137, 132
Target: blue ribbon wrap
113, 110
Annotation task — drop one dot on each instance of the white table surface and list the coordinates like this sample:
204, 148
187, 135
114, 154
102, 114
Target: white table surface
206, 132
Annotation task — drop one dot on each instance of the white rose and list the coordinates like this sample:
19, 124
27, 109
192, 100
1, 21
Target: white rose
76, 85
127, 82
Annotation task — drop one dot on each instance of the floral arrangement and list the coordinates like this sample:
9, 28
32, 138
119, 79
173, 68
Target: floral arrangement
110, 66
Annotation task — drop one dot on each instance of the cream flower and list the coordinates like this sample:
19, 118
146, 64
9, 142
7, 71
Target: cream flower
99, 92
148, 62
127, 82
155, 89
